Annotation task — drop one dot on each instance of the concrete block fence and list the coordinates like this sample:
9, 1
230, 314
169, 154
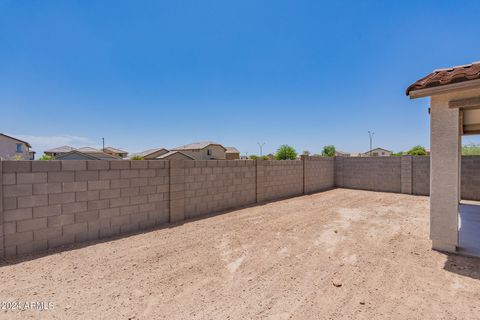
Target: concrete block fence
47, 204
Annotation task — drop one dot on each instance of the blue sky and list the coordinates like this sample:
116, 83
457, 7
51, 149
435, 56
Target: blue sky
145, 74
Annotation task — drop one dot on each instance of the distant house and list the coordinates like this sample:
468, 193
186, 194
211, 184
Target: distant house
86, 154
116, 152
205, 150
339, 153
232, 153
58, 151
151, 154
15, 149
175, 155
377, 152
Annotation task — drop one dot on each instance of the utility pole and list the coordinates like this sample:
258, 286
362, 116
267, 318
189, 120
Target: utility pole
261, 147
103, 144
370, 134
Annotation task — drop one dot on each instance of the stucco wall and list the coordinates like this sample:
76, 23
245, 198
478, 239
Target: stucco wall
8, 148
218, 153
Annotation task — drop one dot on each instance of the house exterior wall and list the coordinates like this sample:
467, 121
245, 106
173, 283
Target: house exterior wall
218, 153
8, 148
232, 155
445, 166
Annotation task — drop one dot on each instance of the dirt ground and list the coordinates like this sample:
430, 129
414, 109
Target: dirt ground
340, 254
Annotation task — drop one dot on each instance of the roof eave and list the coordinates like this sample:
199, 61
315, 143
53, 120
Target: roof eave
422, 93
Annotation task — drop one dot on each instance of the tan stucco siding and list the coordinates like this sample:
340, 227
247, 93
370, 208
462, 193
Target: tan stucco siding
8, 148
445, 163
232, 156
217, 153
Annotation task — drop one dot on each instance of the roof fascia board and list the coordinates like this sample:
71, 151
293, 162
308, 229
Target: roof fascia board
421, 93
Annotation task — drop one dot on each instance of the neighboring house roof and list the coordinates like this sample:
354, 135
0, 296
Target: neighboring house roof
171, 153
148, 152
377, 149
26, 143
342, 152
441, 77
89, 155
60, 149
198, 145
115, 150
231, 150
88, 150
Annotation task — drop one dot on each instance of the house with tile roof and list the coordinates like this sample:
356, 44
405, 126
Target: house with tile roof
377, 152
150, 154
12, 148
58, 151
175, 155
203, 150
119, 153
86, 153
232, 153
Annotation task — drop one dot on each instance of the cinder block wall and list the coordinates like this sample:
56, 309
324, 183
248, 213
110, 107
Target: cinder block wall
319, 174
279, 179
470, 188
370, 173
47, 204
421, 175
52, 203
407, 174
212, 186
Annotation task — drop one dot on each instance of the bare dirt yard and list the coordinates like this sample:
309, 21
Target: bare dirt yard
340, 254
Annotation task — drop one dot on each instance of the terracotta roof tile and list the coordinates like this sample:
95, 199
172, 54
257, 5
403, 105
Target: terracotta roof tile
441, 77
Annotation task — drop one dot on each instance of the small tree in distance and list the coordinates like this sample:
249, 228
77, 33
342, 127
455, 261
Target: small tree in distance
329, 151
417, 151
136, 157
45, 157
286, 152
253, 157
